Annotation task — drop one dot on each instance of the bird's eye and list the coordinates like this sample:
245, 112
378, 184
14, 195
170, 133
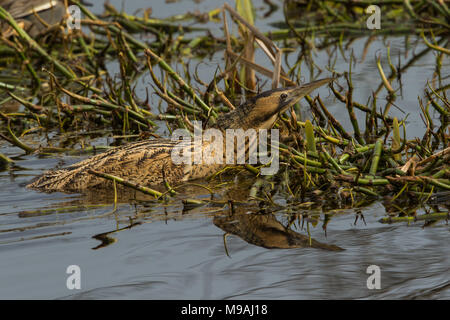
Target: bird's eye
283, 96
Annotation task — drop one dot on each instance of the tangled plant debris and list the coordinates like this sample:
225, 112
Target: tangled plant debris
61, 82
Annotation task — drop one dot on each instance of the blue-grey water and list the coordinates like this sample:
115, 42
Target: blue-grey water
160, 252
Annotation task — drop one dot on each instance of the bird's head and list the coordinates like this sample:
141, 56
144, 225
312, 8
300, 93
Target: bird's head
261, 111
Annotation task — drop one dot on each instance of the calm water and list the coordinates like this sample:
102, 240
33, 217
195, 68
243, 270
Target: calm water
162, 252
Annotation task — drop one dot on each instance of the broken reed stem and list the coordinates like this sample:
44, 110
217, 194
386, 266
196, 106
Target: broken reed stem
127, 183
333, 120
16, 141
30, 106
359, 105
439, 154
333, 162
310, 140
351, 112
181, 82
383, 77
430, 216
376, 157
5, 159
396, 145
262, 70
11, 87
269, 43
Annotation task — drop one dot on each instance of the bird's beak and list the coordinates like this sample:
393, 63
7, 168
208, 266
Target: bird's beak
296, 93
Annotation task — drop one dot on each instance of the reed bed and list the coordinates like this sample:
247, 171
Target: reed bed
61, 82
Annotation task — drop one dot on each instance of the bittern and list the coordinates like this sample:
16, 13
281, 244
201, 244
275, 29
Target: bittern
150, 162
35, 16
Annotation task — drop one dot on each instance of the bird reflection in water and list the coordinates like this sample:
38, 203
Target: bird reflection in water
264, 230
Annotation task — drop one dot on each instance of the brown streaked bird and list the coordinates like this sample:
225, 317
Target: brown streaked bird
150, 162
35, 16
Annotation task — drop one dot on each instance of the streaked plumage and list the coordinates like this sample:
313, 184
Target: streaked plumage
144, 162
150, 162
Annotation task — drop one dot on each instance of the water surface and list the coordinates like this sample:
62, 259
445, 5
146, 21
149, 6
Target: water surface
148, 250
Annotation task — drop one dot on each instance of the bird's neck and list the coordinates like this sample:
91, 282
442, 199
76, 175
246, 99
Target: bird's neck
245, 117
235, 119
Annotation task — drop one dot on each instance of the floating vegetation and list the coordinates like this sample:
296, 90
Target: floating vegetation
82, 82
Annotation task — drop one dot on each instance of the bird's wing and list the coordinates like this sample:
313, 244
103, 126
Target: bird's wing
145, 163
